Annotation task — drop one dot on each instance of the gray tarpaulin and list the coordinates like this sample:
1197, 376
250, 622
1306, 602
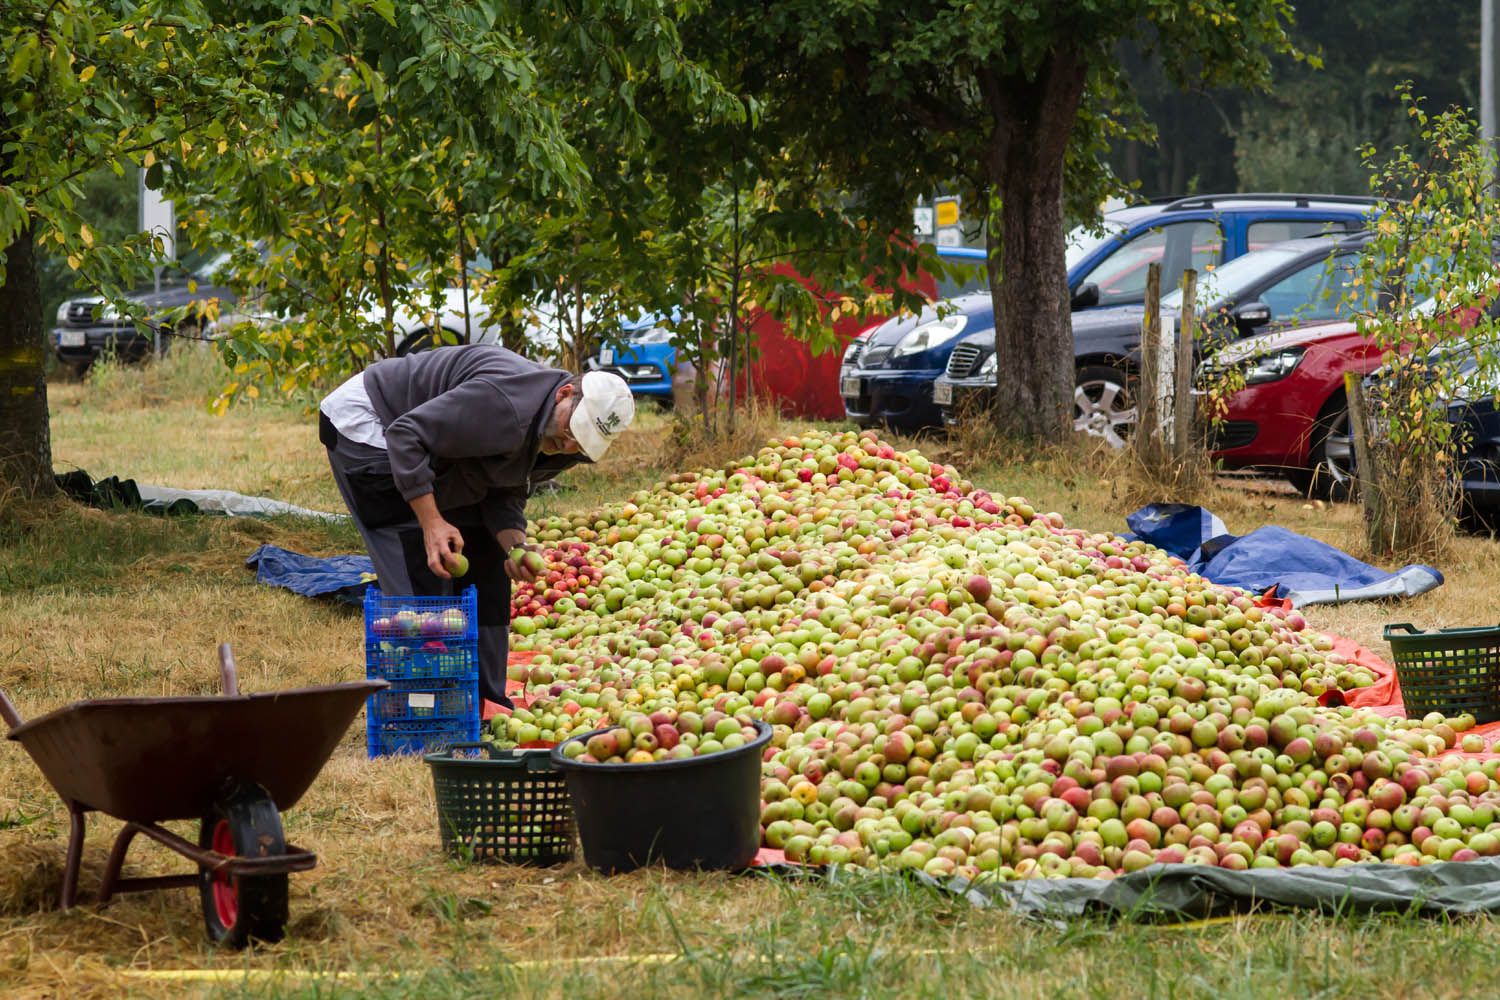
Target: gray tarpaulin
1192, 892
229, 503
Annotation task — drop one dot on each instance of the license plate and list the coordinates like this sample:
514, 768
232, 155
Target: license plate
942, 393
849, 387
607, 356
72, 338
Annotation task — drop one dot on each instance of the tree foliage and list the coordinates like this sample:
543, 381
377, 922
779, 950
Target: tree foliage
1015, 102
1432, 257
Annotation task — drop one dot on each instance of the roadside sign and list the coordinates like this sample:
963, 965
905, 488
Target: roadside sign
158, 217
949, 236
947, 211
922, 220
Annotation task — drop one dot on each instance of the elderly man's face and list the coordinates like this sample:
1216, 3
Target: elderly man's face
558, 439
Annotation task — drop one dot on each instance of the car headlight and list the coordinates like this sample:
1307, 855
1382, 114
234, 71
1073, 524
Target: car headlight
1271, 367
929, 335
852, 351
991, 366
62, 312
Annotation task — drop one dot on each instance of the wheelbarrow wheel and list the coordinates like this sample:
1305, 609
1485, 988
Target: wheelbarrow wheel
239, 909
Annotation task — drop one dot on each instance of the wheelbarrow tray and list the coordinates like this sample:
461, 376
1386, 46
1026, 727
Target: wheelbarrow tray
152, 759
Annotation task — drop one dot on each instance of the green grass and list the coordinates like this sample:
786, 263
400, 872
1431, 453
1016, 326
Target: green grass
881, 938
99, 604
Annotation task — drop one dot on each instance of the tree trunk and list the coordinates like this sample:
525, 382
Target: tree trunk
25, 442
1033, 319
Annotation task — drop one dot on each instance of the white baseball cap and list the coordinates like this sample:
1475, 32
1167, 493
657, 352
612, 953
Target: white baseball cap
605, 408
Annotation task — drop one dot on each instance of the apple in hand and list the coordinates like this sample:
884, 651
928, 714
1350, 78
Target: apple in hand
532, 561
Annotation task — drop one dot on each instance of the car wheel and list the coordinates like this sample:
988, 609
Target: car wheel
1330, 474
420, 341
1102, 405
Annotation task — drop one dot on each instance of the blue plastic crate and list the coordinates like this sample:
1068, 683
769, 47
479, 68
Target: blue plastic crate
434, 659
426, 702
419, 619
428, 649
417, 738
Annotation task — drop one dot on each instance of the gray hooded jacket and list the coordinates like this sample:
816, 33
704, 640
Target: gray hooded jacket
465, 424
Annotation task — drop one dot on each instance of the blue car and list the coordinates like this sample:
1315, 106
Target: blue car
888, 374
644, 361
646, 358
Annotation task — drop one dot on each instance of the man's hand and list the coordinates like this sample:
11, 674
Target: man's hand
511, 539
439, 538
442, 540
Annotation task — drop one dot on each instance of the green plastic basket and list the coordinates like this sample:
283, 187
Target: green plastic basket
1453, 670
511, 807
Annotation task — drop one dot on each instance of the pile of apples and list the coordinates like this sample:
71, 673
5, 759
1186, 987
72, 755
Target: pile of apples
563, 585
961, 684
662, 735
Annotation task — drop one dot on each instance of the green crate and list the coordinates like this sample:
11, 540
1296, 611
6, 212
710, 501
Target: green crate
1454, 671
511, 807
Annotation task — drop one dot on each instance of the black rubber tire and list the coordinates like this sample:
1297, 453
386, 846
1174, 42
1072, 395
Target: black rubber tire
1317, 481
421, 341
426, 340
249, 819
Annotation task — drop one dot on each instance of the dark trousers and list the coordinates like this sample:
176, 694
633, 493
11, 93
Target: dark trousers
393, 538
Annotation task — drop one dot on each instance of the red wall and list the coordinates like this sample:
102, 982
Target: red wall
788, 373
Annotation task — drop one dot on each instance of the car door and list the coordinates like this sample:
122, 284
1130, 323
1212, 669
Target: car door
1319, 291
1176, 246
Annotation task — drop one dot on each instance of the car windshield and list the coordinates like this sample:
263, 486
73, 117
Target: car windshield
1228, 280
1084, 240
211, 267
970, 277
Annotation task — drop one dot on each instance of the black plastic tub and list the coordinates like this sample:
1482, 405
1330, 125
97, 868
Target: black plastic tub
696, 813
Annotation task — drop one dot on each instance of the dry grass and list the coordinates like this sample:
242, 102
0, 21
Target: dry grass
151, 423
97, 604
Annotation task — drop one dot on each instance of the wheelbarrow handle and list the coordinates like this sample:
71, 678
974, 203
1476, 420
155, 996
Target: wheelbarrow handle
8, 711
227, 672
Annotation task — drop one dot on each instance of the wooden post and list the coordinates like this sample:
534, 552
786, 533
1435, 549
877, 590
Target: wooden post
1187, 326
1146, 428
1364, 461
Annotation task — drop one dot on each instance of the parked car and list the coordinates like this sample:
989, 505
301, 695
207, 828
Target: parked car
789, 372
1476, 429
645, 360
1292, 415
885, 381
90, 327
420, 327
1270, 290
1473, 413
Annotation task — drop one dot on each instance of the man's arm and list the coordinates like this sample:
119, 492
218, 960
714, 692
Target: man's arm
505, 513
439, 538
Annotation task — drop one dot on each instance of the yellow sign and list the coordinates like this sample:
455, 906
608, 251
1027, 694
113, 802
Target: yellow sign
947, 211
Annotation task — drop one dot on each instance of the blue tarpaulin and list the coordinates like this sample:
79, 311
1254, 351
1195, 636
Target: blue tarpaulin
1301, 569
341, 577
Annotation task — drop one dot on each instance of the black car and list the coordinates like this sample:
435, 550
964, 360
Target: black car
1286, 284
88, 328
1474, 421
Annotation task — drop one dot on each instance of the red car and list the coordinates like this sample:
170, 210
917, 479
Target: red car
1291, 415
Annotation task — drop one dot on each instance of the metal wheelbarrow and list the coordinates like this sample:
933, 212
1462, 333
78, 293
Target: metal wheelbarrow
234, 762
